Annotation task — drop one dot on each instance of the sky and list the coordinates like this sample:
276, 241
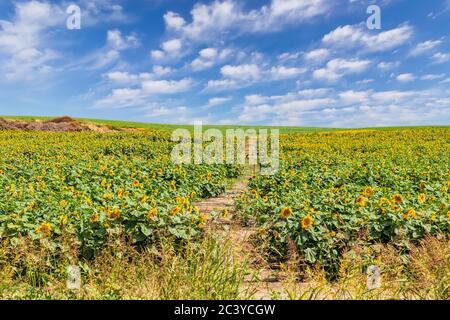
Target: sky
258, 62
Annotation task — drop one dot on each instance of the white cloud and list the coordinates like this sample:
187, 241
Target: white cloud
424, 47
357, 36
385, 66
210, 57
430, 77
174, 21
151, 87
440, 57
406, 77
119, 42
331, 108
219, 17
241, 72
223, 84
171, 46
157, 54
281, 72
317, 55
24, 52
170, 49
338, 68
217, 101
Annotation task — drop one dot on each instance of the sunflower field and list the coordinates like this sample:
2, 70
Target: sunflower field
92, 185
338, 190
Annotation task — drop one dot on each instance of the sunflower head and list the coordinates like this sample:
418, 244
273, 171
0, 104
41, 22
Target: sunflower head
114, 213
361, 201
411, 213
175, 211
136, 183
421, 198
94, 218
368, 191
286, 212
152, 214
398, 198
307, 222
44, 229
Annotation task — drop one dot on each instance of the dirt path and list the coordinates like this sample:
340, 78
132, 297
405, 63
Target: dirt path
264, 282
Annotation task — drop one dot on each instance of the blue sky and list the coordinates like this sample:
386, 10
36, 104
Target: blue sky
275, 62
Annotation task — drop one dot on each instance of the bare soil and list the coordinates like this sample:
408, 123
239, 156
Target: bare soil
62, 124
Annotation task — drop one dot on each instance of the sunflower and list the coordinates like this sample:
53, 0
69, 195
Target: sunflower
411, 213
421, 198
307, 222
361, 201
368, 191
136, 183
225, 213
114, 214
94, 218
286, 212
398, 198
254, 193
266, 198
152, 214
175, 211
45, 229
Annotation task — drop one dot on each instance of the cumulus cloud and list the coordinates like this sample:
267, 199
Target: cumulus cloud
338, 68
219, 17
406, 77
333, 108
440, 57
358, 37
425, 47
209, 57
317, 55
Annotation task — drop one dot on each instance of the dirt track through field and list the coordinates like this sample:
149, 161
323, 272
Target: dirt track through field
264, 282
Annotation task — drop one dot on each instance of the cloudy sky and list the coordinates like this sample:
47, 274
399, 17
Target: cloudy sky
275, 62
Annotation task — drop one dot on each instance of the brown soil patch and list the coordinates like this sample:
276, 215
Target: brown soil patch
61, 124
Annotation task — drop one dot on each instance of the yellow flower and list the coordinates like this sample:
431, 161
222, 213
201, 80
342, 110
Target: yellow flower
107, 196
266, 198
94, 218
1, 171
448, 214
307, 222
225, 213
152, 214
193, 194
45, 229
361, 201
411, 213
114, 213
286, 212
254, 193
398, 198
136, 183
63, 203
368, 191
175, 211
120, 192
421, 198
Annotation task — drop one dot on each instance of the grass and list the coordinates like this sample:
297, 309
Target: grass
205, 270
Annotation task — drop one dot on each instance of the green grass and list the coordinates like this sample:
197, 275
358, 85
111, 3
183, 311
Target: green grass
170, 127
